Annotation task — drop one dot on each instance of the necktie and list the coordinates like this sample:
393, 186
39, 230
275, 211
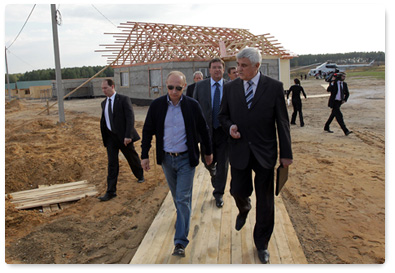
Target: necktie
216, 104
249, 94
110, 116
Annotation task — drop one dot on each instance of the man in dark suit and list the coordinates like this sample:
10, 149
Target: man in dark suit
118, 133
339, 95
177, 122
209, 94
254, 113
197, 76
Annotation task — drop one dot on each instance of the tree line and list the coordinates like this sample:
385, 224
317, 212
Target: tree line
339, 58
302, 60
67, 73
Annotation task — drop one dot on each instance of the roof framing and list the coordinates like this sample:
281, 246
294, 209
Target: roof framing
142, 43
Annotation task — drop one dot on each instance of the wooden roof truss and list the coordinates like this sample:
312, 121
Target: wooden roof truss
139, 43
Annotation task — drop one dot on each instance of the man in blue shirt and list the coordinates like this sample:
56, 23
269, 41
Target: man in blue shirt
177, 122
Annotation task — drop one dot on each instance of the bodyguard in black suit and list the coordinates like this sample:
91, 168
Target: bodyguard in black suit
254, 113
339, 95
209, 94
118, 133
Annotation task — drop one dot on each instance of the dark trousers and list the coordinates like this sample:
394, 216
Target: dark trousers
241, 189
219, 167
297, 108
113, 147
336, 113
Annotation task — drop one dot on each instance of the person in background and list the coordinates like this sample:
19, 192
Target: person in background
209, 94
296, 89
197, 76
254, 114
118, 134
232, 73
339, 95
177, 122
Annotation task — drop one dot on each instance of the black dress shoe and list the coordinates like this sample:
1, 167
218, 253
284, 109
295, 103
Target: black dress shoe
140, 180
328, 130
241, 220
179, 250
107, 196
347, 133
219, 202
264, 256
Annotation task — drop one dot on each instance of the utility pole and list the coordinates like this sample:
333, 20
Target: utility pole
58, 72
8, 77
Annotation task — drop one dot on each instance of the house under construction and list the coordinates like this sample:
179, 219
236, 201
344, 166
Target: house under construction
144, 53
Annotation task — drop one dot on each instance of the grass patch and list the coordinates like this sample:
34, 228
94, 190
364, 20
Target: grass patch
377, 72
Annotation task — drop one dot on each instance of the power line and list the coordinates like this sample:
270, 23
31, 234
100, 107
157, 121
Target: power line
22, 60
104, 16
22, 26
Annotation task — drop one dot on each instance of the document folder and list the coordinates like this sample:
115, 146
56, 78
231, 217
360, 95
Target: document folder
282, 177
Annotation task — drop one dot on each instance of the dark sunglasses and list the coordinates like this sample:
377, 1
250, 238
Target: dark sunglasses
171, 87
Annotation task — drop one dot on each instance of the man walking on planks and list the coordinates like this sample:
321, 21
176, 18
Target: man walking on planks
118, 133
254, 113
177, 122
209, 93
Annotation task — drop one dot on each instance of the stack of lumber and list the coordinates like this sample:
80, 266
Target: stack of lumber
54, 194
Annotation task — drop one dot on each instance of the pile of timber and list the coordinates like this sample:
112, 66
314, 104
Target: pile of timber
54, 194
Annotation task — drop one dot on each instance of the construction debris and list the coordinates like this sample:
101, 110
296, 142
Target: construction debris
54, 194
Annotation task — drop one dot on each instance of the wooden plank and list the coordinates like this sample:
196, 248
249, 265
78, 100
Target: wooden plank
56, 195
225, 232
236, 254
168, 242
45, 208
293, 241
150, 246
53, 195
281, 240
63, 199
195, 233
49, 188
213, 238
204, 217
249, 248
273, 250
214, 233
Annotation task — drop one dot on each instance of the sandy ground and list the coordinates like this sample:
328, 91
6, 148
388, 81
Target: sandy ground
335, 195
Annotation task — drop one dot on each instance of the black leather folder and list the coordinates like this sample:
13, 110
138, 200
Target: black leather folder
282, 177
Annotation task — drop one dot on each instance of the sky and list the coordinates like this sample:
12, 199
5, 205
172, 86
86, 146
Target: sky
302, 28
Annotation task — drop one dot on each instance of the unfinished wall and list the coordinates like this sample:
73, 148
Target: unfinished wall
143, 83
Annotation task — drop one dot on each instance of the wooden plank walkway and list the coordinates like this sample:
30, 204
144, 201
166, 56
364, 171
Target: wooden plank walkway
213, 237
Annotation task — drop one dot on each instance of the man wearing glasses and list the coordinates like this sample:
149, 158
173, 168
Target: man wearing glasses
177, 122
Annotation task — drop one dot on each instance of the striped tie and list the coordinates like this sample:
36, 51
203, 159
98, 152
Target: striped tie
249, 94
